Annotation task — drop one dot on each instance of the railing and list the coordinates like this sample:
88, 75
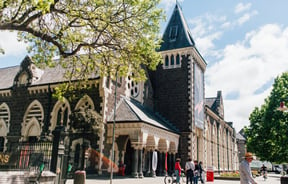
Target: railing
27, 155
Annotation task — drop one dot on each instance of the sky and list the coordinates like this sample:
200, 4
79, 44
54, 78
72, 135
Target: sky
244, 43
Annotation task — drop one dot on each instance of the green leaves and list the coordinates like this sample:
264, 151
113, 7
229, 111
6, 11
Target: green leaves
267, 134
85, 121
115, 34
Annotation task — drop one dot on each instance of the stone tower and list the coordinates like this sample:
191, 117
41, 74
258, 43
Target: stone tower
178, 85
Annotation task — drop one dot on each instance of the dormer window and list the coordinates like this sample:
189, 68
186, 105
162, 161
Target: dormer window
173, 33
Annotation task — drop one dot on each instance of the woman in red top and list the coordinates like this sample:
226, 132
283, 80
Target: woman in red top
177, 170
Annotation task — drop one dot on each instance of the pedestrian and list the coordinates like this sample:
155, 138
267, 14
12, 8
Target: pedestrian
189, 169
201, 170
245, 170
196, 172
177, 170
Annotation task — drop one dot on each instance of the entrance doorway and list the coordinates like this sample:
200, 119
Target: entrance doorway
128, 158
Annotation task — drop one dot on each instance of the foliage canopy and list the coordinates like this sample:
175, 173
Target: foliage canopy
85, 121
267, 134
112, 34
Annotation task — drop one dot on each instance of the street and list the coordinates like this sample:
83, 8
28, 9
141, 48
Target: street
272, 179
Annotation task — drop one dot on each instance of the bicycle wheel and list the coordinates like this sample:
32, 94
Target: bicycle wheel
183, 178
168, 179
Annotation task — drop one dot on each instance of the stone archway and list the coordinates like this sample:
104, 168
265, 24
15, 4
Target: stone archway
128, 156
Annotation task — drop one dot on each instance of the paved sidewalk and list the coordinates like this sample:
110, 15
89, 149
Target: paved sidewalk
272, 179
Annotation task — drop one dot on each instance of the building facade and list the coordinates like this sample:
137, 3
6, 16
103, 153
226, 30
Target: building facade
144, 125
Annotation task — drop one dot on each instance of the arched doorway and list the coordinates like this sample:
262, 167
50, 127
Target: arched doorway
128, 158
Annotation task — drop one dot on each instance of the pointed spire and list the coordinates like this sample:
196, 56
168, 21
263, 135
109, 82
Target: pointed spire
177, 34
178, 4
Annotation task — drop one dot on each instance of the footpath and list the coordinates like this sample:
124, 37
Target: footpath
272, 179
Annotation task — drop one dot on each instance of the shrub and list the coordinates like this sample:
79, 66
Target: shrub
230, 174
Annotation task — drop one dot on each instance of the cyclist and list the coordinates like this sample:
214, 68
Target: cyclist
264, 171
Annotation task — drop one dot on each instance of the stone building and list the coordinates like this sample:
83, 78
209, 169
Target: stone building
220, 137
152, 122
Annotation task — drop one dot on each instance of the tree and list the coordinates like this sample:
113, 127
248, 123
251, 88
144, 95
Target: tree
85, 121
111, 34
267, 134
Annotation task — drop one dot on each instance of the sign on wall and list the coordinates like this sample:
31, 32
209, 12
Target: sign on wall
198, 97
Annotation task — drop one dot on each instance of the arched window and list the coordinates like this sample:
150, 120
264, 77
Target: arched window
166, 61
133, 86
177, 59
172, 59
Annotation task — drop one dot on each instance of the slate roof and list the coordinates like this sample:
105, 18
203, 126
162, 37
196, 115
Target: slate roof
7, 76
130, 110
211, 103
184, 36
48, 76
240, 137
214, 103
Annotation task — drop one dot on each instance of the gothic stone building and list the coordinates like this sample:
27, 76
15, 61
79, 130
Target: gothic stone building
156, 121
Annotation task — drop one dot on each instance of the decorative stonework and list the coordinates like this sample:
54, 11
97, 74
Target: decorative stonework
5, 93
85, 103
144, 135
60, 114
33, 120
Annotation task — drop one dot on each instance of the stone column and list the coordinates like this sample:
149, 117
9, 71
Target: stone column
163, 163
153, 172
135, 163
160, 163
173, 158
140, 163
169, 164
149, 161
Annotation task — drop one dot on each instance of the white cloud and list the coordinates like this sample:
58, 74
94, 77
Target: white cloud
10, 44
242, 7
206, 43
205, 30
245, 67
246, 17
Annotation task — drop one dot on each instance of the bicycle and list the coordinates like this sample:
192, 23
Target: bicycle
37, 172
169, 179
264, 175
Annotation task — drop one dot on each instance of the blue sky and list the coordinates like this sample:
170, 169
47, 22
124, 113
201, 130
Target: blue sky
245, 44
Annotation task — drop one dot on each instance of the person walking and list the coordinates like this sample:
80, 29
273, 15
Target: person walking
196, 172
245, 170
201, 170
189, 169
177, 170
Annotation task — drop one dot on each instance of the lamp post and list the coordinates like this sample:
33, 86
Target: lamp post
60, 162
114, 120
283, 108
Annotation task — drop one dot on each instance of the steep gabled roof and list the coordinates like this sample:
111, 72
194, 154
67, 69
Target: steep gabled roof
240, 137
130, 110
216, 104
177, 34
